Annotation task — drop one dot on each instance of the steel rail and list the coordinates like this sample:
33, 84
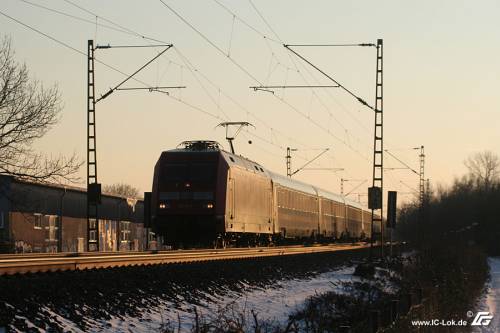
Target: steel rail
21, 264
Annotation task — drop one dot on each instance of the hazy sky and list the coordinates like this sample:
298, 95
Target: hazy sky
441, 81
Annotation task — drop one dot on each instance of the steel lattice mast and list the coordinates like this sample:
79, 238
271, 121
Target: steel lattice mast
92, 186
378, 145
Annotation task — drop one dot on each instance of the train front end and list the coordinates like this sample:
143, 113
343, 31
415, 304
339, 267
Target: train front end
186, 200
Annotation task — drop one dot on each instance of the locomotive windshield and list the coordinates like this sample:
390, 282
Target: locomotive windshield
183, 172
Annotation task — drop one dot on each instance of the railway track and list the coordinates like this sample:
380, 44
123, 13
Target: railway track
36, 263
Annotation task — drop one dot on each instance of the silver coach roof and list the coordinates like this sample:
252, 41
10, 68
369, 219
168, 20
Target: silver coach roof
330, 195
291, 183
354, 204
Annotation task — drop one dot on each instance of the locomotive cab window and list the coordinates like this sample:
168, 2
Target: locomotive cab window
175, 172
202, 172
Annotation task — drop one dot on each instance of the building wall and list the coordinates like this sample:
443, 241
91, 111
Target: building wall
48, 218
34, 232
74, 234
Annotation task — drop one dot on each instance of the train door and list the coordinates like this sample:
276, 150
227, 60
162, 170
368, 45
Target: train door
321, 220
271, 210
274, 208
346, 220
230, 198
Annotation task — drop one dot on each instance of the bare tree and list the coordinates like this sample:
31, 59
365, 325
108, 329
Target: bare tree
122, 189
27, 112
484, 168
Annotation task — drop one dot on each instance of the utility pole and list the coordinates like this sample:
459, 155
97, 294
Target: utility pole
378, 148
93, 187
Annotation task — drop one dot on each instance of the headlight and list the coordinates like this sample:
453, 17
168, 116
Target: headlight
163, 206
210, 205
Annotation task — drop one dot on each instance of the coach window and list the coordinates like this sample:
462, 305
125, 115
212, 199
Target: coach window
2, 222
38, 221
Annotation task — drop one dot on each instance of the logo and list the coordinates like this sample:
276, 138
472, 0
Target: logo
482, 318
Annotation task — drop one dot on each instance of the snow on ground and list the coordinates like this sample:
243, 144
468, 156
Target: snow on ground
491, 300
273, 303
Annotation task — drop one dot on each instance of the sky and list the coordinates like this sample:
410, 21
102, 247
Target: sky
441, 79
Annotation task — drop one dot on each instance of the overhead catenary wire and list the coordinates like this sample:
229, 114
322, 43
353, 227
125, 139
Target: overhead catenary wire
248, 25
113, 68
400, 161
234, 101
209, 41
231, 37
126, 30
112, 22
298, 71
75, 17
132, 75
280, 41
138, 35
347, 90
362, 44
259, 13
232, 60
359, 99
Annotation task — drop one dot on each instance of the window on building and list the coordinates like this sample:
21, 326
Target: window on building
2, 220
92, 223
93, 235
125, 231
51, 225
38, 223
